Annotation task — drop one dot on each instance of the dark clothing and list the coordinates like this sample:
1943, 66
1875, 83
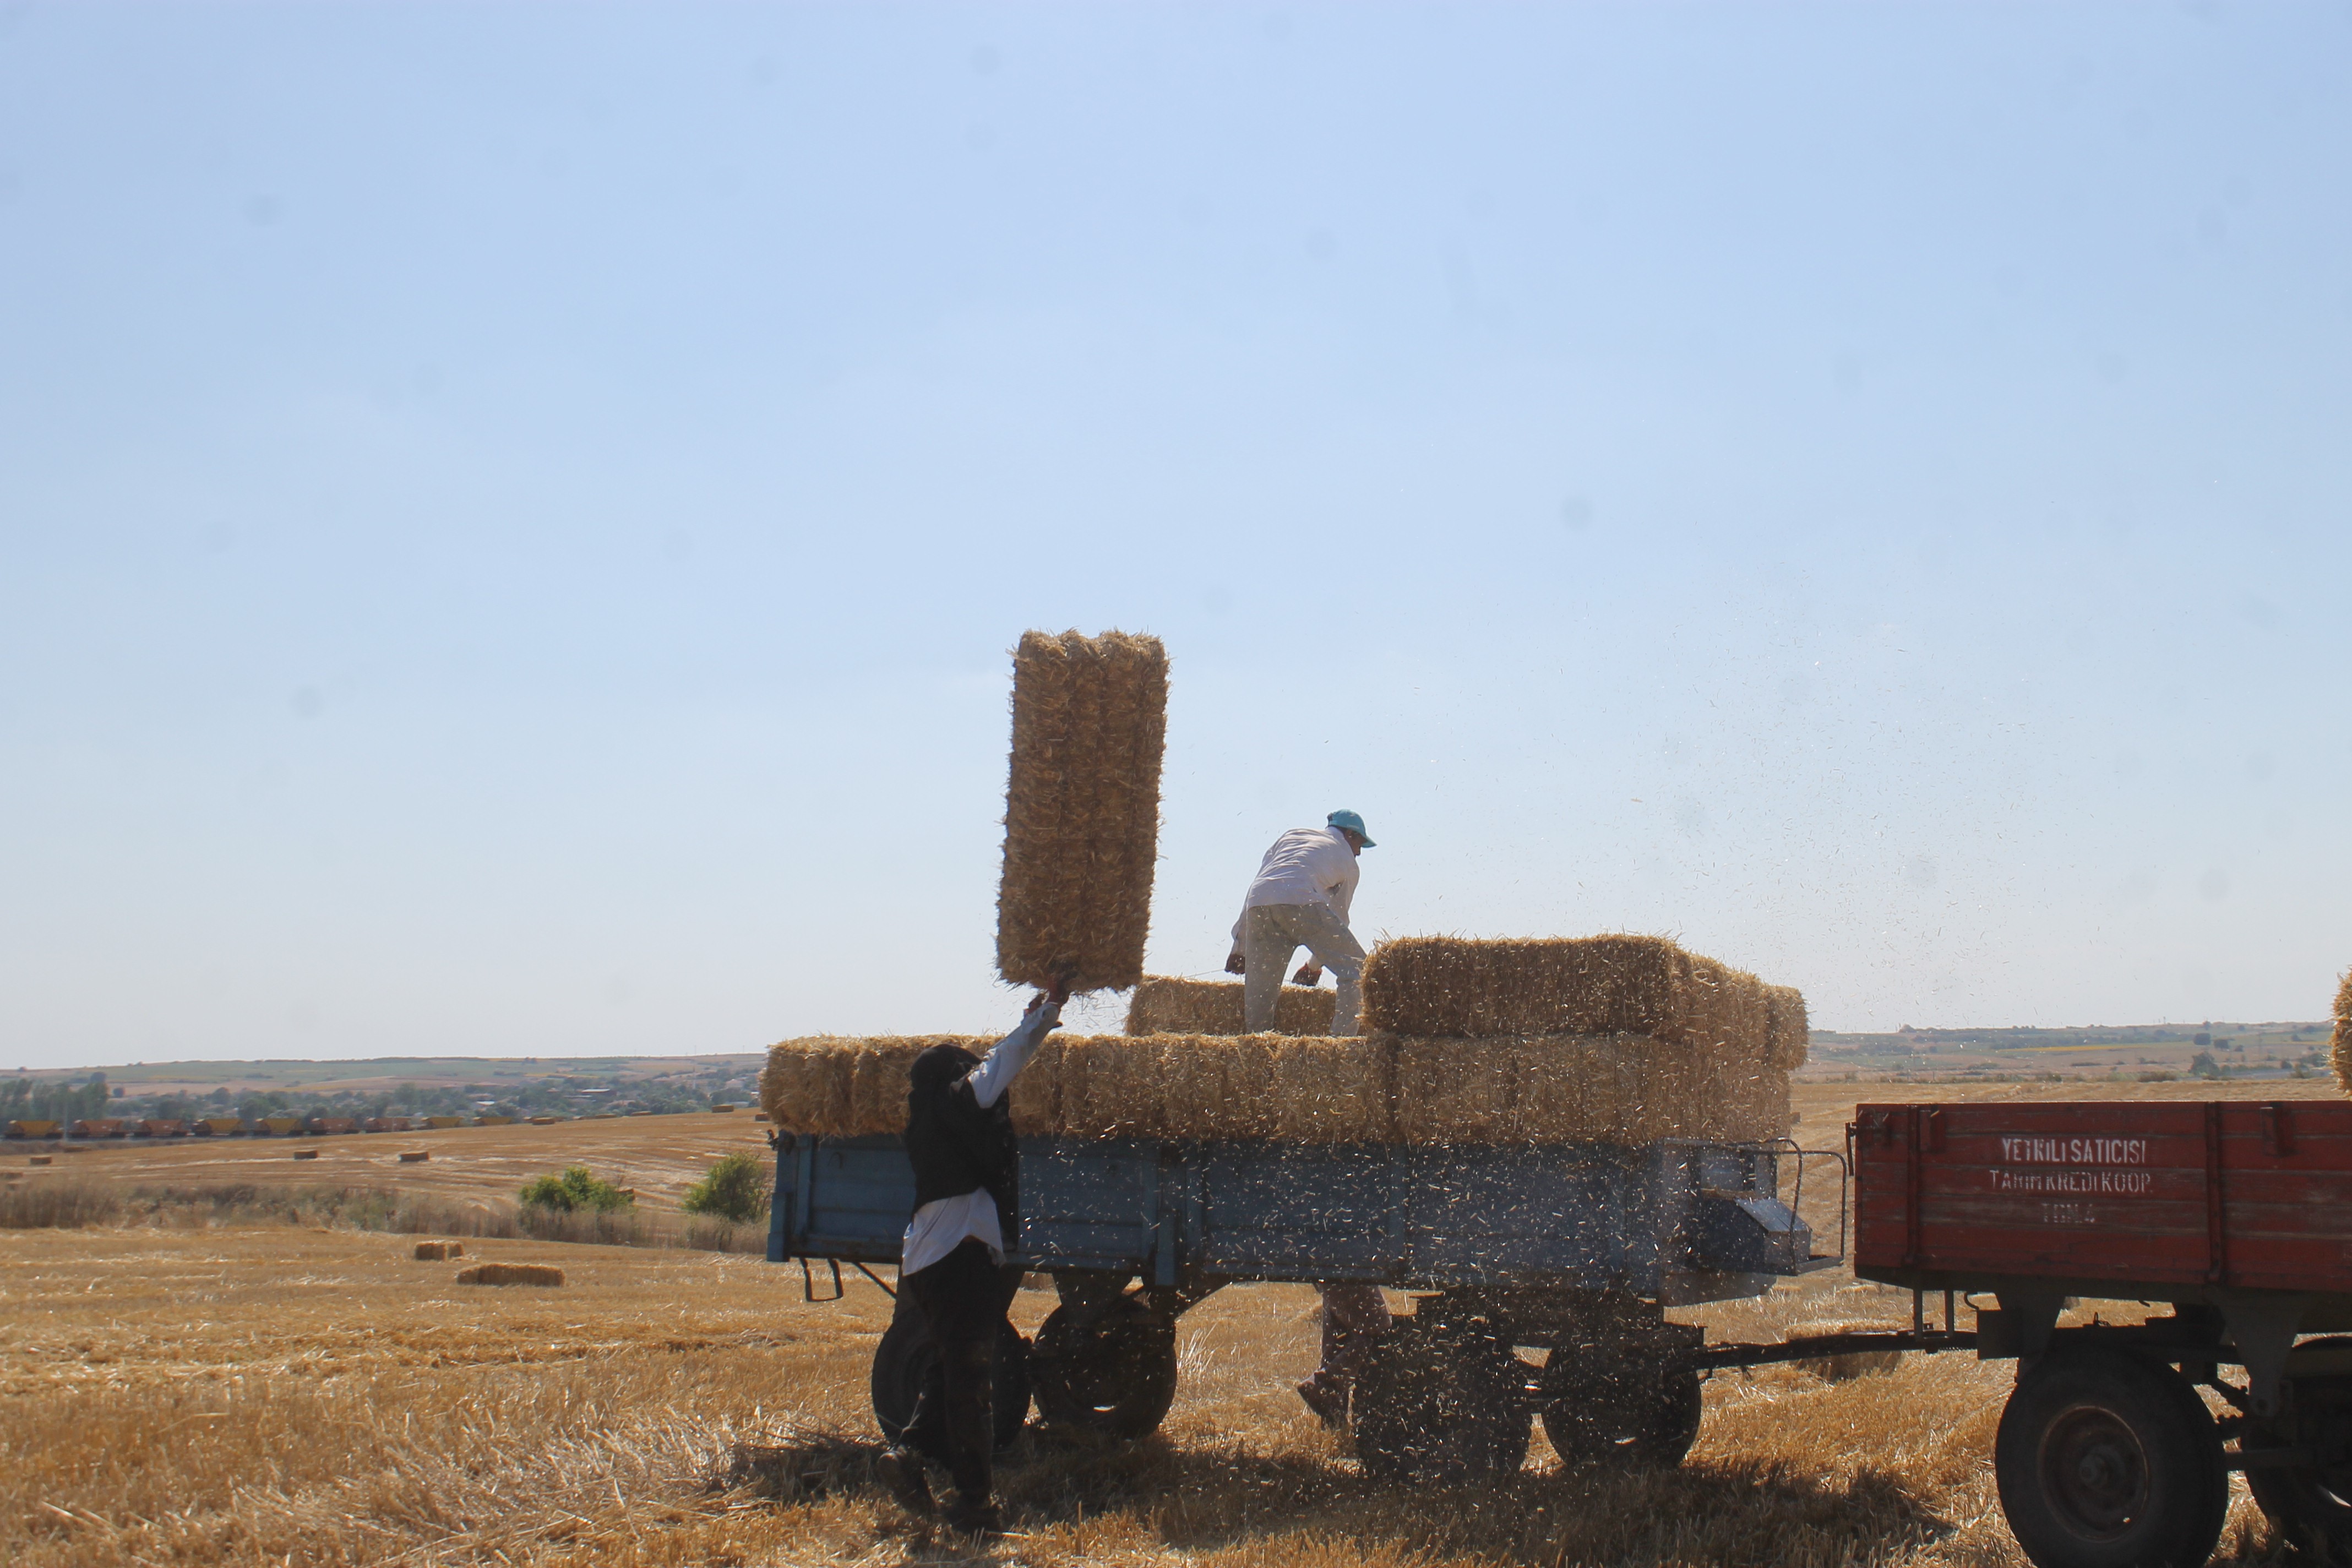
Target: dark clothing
962, 1298
956, 1144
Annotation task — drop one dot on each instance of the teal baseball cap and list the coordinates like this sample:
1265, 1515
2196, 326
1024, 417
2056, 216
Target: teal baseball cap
1353, 823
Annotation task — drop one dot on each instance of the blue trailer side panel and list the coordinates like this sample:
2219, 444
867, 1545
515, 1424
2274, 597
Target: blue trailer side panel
1662, 1218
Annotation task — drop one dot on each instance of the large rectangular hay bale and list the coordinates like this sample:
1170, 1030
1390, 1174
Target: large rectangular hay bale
1113, 1086
1166, 1005
1081, 808
2340, 1046
1219, 1086
1462, 1089
1333, 1090
1454, 988
1789, 1033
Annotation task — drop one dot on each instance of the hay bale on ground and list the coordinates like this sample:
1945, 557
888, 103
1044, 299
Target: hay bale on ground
2341, 1046
414, 1156
1082, 809
511, 1274
1449, 987
439, 1251
1163, 1005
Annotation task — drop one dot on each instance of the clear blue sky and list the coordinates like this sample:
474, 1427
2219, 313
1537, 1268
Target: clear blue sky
511, 519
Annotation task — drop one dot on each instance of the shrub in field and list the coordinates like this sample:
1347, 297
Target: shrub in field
736, 1188
576, 1188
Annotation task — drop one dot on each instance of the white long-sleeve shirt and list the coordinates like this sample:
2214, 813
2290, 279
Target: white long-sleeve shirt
943, 1224
1305, 865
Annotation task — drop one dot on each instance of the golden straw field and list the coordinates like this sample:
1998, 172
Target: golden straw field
180, 1391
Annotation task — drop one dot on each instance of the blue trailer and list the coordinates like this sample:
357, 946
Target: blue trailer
1572, 1249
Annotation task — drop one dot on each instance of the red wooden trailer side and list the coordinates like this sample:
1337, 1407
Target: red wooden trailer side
2237, 1213
2158, 1201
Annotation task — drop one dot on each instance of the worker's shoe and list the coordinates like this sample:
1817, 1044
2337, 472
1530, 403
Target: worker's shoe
901, 1470
1328, 1397
982, 1518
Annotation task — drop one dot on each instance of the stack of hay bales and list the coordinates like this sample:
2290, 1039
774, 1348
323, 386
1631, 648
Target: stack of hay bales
1644, 1042
2340, 1049
1165, 1005
1081, 808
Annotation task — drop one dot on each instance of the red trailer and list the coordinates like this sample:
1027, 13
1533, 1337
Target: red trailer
2236, 1216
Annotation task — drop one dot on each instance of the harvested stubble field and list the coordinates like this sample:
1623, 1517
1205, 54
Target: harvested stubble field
658, 1156
267, 1393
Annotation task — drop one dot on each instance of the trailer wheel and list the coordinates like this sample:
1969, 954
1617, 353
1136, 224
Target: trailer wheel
2107, 1461
2311, 1505
1610, 1410
1441, 1406
1115, 1375
907, 1361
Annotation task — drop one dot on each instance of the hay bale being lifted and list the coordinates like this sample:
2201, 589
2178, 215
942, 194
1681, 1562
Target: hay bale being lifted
1081, 808
2341, 1046
1166, 1005
1436, 986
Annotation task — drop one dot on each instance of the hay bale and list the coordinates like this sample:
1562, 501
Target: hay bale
835, 1085
1332, 1090
2340, 1050
439, 1251
306, 1153
1218, 1086
1035, 1097
1163, 1005
511, 1274
1081, 808
1112, 1086
1459, 1091
1788, 1033
1449, 987
414, 1156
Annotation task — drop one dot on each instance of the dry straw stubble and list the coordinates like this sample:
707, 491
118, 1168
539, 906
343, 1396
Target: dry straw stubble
1082, 809
1165, 1004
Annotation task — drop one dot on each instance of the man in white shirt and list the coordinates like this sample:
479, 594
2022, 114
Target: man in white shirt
952, 1265
1300, 899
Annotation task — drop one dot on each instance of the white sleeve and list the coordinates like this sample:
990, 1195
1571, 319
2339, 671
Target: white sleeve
1006, 1060
1339, 880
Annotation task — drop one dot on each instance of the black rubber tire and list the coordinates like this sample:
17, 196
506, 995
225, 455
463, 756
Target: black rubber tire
1607, 1410
906, 1361
1447, 1406
2311, 1505
1115, 1376
2105, 1460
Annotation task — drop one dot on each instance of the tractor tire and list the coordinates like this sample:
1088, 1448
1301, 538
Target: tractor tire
2105, 1460
1114, 1376
906, 1362
1445, 1406
1605, 1409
